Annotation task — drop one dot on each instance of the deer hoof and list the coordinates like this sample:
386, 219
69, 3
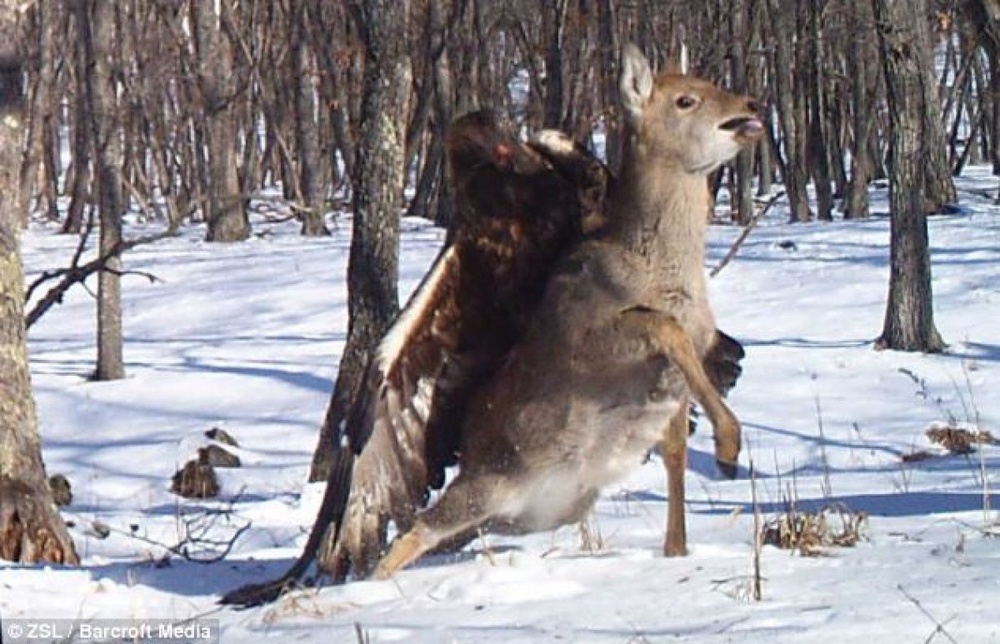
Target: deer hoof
729, 470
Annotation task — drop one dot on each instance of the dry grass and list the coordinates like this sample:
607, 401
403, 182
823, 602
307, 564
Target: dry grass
954, 439
918, 455
811, 533
591, 537
958, 440
304, 603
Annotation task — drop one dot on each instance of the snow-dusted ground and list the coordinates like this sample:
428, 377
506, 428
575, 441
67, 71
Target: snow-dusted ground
245, 337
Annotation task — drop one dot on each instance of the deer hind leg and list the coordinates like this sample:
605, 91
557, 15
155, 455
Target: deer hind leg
469, 502
674, 448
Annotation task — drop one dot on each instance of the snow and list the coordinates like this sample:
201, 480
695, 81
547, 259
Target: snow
245, 337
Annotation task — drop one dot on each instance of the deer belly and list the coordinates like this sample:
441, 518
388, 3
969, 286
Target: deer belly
559, 497
618, 443
625, 439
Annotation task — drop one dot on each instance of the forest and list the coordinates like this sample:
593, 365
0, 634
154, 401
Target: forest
130, 122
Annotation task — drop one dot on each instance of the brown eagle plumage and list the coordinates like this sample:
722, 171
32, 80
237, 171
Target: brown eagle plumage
518, 208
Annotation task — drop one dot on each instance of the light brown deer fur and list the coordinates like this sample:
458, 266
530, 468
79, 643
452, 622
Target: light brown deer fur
615, 349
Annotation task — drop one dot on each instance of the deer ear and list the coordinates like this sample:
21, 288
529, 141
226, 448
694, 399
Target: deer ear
636, 83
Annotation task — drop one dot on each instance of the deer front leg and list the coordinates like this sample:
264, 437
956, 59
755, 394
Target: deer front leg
724, 422
676, 344
674, 449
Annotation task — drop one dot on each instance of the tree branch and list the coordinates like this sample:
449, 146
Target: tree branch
77, 273
735, 248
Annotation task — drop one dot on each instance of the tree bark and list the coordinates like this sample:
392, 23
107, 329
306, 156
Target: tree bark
984, 18
909, 317
816, 135
226, 213
790, 116
307, 126
742, 199
37, 172
444, 101
432, 115
96, 29
938, 185
31, 529
79, 170
607, 16
858, 67
553, 26
378, 182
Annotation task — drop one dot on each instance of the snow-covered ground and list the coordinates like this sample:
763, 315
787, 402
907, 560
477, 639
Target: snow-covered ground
245, 337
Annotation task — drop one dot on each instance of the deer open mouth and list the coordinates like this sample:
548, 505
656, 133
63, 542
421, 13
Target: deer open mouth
747, 126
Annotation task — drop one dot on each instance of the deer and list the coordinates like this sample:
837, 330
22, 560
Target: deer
613, 353
519, 207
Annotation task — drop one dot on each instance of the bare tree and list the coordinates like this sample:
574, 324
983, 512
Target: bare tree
983, 18
379, 175
309, 122
31, 529
904, 46
859, 68
742, 175
790, 106
95, 22
938, 186
226, 212
817, 141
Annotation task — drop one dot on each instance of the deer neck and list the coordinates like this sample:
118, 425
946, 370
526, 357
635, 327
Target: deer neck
660, 212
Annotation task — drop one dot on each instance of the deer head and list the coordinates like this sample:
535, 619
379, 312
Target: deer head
684, 120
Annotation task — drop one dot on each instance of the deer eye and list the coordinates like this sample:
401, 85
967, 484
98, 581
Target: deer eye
686, 102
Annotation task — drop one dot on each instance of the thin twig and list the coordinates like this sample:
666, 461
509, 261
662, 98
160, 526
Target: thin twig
939, 626
74, 263
153, 279
76, 273
758, 532
827, 486
735, 248
189, 526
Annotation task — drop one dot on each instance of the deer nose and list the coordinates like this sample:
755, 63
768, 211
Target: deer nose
753, 106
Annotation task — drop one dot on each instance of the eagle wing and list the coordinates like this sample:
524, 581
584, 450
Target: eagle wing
378, 469
517, 207
416, 366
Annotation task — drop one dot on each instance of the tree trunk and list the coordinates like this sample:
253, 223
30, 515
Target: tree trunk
41, 111
79, 169
608, 57
816, 137
938, 185
909, 317
96, 28
378, 182
994, 104
758, 74
444, 101
742, 197
31, 529
225, 208
553, 26
984, 18
307, 127
858, 66
432, 112
794, 175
